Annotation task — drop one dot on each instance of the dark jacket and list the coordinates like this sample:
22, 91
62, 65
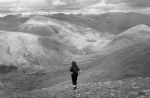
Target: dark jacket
74, 69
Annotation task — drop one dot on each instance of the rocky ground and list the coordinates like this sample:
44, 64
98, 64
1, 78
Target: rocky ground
127, 88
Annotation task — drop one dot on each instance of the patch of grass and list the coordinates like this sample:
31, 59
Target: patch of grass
127, 88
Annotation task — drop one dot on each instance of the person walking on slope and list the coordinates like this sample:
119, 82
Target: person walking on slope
74, 69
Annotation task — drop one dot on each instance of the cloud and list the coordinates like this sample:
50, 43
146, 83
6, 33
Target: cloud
58, 2
7, 1
23, 5
139, 3
121, 5
73, 5
103, 4
132, 3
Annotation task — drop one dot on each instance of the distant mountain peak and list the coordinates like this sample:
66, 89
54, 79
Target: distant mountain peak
135, 30
131, 36
40, 18
42, 21
37, 20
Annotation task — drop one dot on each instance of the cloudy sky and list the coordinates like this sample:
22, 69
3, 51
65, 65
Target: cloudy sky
84, 5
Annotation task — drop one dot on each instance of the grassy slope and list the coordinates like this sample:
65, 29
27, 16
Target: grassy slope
128, 62
127, 88
124, 63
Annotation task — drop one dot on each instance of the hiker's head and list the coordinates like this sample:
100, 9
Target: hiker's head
74, 63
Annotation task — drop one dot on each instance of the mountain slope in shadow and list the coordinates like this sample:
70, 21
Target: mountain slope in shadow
11, 21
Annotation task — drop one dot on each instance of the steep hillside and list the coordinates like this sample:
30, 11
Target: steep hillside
131, 61
133, 35
85, 39
27, 60
38, 25
30, 50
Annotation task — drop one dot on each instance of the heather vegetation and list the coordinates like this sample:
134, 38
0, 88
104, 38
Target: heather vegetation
7, 69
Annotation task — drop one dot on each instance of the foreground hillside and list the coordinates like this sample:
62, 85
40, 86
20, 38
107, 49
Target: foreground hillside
127, 88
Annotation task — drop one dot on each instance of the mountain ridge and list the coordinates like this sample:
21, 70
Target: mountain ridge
129, 37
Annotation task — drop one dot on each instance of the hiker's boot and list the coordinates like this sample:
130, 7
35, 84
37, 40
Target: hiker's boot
75, 87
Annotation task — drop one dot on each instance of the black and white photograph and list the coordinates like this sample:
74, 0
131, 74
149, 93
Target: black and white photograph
74, 48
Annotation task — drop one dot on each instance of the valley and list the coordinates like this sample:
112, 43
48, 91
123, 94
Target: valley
110, 47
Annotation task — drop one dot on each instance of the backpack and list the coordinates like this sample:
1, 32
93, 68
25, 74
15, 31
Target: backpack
74, 69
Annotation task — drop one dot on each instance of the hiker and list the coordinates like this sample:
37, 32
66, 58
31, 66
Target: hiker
74, 69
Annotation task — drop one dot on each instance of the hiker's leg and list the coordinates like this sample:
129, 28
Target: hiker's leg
72, 77
76, 77
74, 81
